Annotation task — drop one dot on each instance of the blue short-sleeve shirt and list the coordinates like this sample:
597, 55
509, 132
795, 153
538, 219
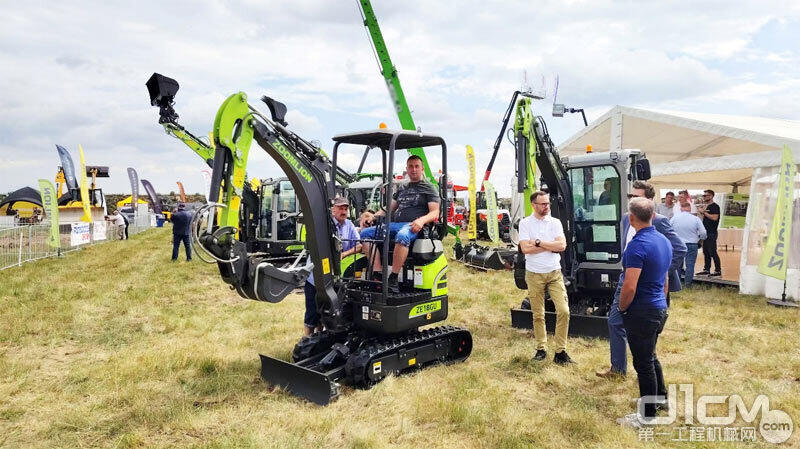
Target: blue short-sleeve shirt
652, 252
349, 236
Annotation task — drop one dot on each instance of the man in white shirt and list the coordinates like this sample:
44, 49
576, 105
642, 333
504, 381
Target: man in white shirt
119, 224
541, 240
690, 229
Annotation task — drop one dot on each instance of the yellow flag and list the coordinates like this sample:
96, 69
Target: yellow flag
775, 257
87, 214
471, 224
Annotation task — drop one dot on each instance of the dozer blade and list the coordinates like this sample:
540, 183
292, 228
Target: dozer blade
308, 384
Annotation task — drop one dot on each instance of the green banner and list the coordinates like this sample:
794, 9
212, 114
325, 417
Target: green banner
491, 212
775, 257
50, 205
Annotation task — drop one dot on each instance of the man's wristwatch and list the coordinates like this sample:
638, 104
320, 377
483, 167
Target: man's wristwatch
537, 242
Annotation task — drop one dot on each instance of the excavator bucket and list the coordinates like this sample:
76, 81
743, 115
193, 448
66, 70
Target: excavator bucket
272, 284
298, 380
488, 258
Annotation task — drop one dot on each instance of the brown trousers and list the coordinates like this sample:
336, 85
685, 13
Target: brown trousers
552, 283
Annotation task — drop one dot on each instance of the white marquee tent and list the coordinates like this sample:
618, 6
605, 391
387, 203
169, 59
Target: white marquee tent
724, 148
722, 152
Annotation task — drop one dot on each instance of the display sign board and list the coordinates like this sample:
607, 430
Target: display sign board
99, 231
80, 235
734, 210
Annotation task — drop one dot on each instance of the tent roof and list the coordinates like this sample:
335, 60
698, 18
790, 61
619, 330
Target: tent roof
28, 194
677, 143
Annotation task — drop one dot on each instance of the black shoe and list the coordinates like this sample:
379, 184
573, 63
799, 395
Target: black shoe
702, 273
377, 276
541, 354
562, 358
394, 287
716, 273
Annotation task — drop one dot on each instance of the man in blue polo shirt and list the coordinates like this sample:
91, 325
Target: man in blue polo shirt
643, 305
616, 329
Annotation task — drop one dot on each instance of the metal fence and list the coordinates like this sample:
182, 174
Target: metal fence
26, 243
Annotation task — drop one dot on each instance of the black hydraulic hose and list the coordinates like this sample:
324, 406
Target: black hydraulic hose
499, 140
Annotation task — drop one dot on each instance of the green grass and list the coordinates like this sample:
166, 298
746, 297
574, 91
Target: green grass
114, 346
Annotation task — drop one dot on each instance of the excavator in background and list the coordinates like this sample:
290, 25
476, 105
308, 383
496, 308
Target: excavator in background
588, 194
370, 332
70, 202
524, 182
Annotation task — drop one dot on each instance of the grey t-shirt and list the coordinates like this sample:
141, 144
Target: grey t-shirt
412, 200
663, 209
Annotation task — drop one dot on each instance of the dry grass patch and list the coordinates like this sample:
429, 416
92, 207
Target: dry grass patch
114, 346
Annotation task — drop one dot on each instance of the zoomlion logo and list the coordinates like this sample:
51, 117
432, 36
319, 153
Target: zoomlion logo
289, 157
778, 257
47, 196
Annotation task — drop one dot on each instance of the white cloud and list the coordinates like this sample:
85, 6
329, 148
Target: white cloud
70, 75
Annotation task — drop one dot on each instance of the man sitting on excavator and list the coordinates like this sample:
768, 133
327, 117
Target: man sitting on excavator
414, 205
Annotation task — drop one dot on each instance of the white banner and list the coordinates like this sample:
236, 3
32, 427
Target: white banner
207, 181
80, 234
99, 231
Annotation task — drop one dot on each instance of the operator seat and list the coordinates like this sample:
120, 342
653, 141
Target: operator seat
427, 247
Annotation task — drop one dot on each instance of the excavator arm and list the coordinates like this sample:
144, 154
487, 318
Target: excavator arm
162, 90
201, 148
554, 176
389, 72
253, 275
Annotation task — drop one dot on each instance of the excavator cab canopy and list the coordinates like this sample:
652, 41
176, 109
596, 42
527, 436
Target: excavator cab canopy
382, 138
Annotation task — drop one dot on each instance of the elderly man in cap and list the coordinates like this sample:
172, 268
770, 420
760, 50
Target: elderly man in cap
181, 221
348, 234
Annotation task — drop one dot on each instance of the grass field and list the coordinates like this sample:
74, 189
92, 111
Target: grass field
114, 346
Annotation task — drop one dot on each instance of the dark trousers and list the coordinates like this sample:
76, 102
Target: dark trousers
311, 318
642, 328
176, 244
709, 252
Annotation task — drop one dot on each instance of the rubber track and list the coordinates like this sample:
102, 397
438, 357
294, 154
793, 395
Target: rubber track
357, 364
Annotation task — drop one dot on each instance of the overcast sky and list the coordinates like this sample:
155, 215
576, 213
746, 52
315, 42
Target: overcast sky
74, 72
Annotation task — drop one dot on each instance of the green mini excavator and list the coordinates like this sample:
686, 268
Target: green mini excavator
369, 332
